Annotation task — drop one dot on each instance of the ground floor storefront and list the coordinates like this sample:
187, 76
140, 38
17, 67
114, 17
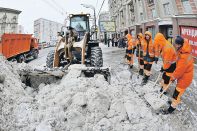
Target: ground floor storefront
186, 26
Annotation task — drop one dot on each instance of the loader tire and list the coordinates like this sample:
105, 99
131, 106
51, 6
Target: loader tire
50, 59
96, 58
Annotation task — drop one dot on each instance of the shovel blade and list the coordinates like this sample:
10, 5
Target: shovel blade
155, 101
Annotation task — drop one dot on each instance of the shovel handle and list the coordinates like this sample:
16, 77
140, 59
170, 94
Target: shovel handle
157, 79
165, 89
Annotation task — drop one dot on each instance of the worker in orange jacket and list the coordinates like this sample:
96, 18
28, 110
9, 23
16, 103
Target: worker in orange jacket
148, 56
139, 52
184, 72
168, 54
130, 50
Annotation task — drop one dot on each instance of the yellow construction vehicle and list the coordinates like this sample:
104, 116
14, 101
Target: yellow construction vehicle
75, 46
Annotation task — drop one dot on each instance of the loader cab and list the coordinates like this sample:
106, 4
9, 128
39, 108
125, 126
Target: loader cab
80, 22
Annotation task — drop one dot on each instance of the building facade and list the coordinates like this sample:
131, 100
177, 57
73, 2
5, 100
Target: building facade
46, 31
8, 20
104, 16
170, 17
152, 15
185, 22
20, 29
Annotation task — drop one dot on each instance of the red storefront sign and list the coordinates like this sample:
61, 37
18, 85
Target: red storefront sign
190, 33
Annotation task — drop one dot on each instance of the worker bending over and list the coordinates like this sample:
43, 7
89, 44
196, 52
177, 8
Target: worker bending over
168, 54
184, 72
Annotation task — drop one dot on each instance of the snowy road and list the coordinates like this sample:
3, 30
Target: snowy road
41, 60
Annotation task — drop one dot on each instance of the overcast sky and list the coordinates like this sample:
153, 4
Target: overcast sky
54, 10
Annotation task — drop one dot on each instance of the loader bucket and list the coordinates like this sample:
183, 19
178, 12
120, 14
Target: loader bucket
56, 59
90, 72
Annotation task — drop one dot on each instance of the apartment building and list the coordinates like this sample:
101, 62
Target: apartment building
8, 20
46, 30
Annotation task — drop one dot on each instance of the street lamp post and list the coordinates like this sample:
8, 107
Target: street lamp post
93, 8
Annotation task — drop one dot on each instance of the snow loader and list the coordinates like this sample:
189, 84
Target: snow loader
75, 46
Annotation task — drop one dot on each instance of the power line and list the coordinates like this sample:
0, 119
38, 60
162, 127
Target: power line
58, 5
55, 8
101, 8
96, 3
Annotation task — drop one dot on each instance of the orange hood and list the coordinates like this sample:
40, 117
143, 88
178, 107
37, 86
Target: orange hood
129, 37
186, 48
160, 40
148, 33
141, 36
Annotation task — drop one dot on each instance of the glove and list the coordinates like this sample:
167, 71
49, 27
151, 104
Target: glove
162, 70
172, 79
156, 60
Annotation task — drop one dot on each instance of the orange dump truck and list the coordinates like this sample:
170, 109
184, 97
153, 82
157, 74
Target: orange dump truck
18, 47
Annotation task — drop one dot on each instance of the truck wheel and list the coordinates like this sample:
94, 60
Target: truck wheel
96, 58
35, 54
50, 59
13, 60
21, 59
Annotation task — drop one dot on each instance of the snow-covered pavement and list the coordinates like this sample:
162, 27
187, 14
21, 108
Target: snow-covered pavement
77, 103
41, 60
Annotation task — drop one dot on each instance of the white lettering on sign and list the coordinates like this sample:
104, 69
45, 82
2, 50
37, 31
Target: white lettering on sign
191, 42
189, 32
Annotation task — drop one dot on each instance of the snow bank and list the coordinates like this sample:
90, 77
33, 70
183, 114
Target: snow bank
77, 104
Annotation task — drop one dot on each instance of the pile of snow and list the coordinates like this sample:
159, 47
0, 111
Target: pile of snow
78, 104
15, 104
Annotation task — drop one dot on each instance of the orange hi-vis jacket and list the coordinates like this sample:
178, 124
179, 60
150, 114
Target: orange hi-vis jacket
140, 42
185, 67
139, 45
148, 46
131, 43
168, 52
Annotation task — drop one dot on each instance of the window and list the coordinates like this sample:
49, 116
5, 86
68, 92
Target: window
121, 13
140, 2
141, 16
80, 23
14, 19
13, 29
150, 2
131, 7
186, 6
154, 15
167, 10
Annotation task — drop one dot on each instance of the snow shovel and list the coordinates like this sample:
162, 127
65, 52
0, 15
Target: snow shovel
165, 89
157, 79
156, 100
139, 63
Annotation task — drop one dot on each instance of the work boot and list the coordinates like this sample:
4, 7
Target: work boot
141, 72
161, 90
131, 66
169, 102
168, 111
145, 80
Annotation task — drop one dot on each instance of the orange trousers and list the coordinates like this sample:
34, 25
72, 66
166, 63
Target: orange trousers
177, 96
